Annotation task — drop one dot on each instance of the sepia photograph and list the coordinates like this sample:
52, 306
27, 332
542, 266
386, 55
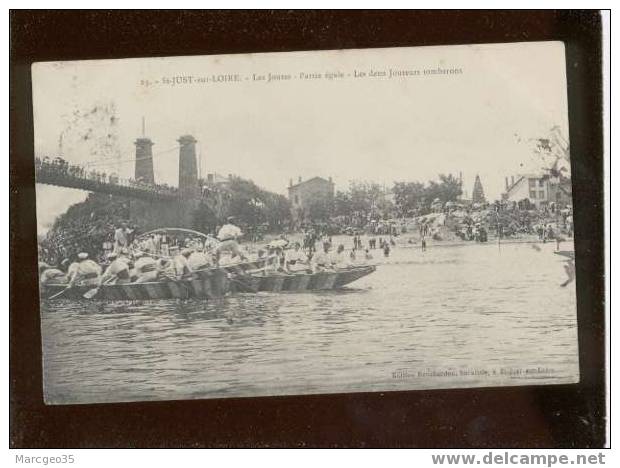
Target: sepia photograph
295, 223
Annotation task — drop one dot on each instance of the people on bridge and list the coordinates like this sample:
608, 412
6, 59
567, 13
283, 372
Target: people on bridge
84, 272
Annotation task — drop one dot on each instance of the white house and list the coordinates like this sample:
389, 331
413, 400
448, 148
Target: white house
538, 190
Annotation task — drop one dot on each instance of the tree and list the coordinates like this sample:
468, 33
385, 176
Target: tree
447, 189
551, 151
244, 199
369, 199
554, 151
342, 204
204, 218
277, 209
252, 205
320, 209
408, 196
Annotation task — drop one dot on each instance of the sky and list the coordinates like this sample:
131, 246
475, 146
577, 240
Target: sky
372, 128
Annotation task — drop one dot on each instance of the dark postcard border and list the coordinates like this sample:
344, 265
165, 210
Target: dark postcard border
545, 416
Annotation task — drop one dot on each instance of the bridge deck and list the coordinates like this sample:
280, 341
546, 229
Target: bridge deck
60, 178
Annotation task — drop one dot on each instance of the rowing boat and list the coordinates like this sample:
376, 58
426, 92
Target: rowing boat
297, 282
206, 284
217, 282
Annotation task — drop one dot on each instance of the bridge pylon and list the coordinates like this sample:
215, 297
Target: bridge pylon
144, 161
179, 212
188, 167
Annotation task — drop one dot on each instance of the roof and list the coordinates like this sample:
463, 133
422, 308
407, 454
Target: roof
522, 177
310, 180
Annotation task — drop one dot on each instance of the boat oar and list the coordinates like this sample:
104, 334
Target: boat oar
58, 294
93, 292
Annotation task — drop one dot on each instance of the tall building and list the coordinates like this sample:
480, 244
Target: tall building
477, 194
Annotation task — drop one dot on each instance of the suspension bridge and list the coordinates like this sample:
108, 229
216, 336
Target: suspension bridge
151, 204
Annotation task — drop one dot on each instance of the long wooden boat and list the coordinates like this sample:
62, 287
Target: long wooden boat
296, 282
216, 282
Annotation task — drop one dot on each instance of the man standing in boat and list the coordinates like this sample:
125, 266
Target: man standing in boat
181, 265
228, 235
121, 237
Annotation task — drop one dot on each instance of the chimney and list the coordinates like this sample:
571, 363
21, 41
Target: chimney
210, 178
144, 161
300, 179
506, 180
188, 169
330, 180
512, 180
290, 182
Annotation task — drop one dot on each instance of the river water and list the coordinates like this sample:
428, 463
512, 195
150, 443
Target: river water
462, 316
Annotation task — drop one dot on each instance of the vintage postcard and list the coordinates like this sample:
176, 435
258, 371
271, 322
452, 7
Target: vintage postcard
305, 223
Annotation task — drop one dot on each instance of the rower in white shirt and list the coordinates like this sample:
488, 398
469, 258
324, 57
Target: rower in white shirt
84, 272
295, 259
118, 270
145, 268
342, 259
198, 260
323, 260
181, 265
